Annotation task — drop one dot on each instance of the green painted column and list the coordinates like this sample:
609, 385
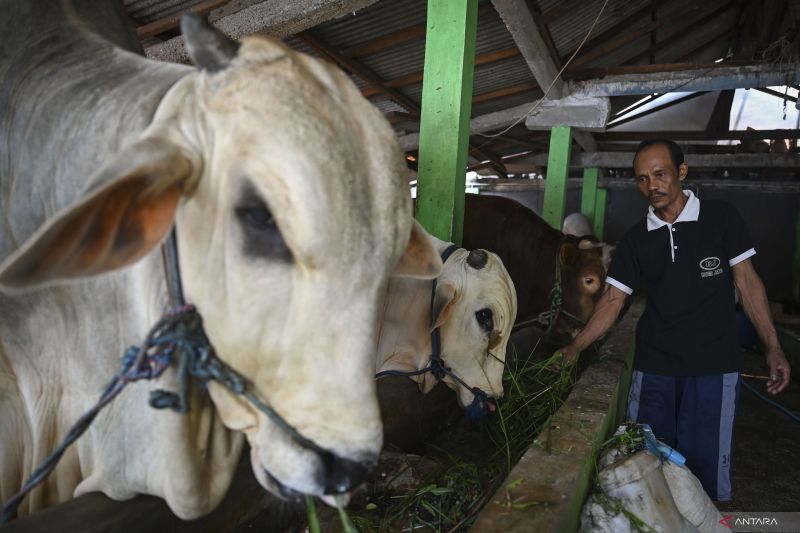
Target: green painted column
600, 213
555, 187
589, 192
446, 109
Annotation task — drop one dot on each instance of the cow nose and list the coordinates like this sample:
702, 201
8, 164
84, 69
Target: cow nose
344, 475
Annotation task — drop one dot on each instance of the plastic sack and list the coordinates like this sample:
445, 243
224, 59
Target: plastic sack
691, 500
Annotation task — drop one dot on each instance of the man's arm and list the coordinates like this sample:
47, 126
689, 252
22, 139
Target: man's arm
754, 303
605, 313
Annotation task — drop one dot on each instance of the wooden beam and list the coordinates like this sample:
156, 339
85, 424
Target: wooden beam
585, 140
538, 18
625, 159
589, 192
628, 136
524, 184
631, 36
555, 192
416, 77
713, 78
398, 37
599, 224
276, 18
359, 70
696, 26
780, 95
506, 91
529, 39
444, 125
171, 22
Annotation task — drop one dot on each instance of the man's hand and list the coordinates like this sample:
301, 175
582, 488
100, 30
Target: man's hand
779, 370
569, 355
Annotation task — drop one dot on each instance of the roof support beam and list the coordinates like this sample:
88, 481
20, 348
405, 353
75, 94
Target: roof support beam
624, 159
737, 135
519, 21
715, 78
273, 17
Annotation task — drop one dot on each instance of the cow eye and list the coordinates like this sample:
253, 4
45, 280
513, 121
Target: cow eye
262, 237
485, 319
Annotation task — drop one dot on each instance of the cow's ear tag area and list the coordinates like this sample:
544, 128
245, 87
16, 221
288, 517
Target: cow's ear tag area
209, 48
420, 259
568, 254
443, 300
112, 226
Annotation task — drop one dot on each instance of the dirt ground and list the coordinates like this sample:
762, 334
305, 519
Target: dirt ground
766, 447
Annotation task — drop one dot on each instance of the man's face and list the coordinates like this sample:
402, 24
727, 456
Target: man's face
657, 178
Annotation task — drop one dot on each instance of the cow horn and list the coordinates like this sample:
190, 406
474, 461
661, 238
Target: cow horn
477, 259
209, 48
586, 244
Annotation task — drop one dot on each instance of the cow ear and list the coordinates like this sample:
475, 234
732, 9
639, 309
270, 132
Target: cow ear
113, 225
420, 260
568, 254
209, 48
443, 300
589, 244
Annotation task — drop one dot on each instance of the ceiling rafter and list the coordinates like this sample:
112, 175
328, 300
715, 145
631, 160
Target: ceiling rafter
171, 22
416, 77
398, 37
365, 73
631, 36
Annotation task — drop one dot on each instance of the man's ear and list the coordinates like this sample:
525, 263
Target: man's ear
113, 225
420, 259
443, 300
683, 171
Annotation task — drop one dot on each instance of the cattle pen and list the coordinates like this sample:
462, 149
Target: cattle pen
543, 103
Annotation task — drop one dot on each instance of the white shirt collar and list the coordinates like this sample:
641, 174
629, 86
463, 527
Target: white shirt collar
690, 213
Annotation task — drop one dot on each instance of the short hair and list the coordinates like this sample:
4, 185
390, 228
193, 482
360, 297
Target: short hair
675, 152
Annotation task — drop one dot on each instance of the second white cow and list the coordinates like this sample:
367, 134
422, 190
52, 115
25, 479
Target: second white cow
474, 307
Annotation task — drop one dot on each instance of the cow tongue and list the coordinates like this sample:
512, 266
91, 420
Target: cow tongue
330, 499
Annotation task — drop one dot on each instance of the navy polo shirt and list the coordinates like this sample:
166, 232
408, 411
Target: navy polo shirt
689, 324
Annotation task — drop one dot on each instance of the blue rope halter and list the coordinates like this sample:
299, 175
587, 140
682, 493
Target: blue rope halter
178, 338
482, 403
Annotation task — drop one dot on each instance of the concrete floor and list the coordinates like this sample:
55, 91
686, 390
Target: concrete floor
766, 447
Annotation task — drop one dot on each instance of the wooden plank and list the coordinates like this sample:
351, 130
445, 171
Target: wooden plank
173, 21
398, 37
530, 40
624, 160
416, 77
589, 192
359, 70
743, 135
506, 91
630, 36
555, 192
600, 213
444, 121
713, 78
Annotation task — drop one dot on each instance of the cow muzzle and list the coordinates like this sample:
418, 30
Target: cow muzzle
481, 406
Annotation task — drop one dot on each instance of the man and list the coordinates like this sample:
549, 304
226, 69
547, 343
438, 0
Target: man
688, 255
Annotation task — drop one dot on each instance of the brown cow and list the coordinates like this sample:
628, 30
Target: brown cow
529, 247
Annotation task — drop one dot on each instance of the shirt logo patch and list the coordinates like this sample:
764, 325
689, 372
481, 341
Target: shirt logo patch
710, 263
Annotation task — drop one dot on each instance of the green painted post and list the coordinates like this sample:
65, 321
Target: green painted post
446, 109
600, 213
555, 187
589, 192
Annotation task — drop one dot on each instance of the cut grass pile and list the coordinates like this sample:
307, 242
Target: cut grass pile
469, 461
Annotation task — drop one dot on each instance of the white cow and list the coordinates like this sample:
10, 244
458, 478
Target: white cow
475, 306
578, 225
286, 190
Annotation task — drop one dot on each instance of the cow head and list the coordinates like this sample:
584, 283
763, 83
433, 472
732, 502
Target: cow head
582, 277
286, 188
475, 306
